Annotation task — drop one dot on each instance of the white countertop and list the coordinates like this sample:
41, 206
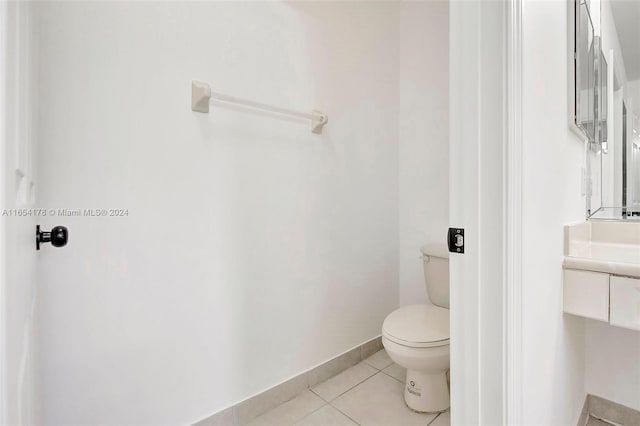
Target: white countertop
617, 259
603, 247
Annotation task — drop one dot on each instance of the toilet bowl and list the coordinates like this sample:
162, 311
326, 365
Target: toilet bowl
416, 337
423, 351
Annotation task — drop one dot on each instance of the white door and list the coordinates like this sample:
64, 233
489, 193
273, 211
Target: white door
18, 281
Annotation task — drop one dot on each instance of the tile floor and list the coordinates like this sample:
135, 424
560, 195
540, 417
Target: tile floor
594, 421
368, 394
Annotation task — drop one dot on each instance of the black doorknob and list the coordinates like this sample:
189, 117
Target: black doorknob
58, 236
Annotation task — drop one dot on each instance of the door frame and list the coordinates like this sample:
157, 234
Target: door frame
3, 144
486, 200
514, 213
474, 339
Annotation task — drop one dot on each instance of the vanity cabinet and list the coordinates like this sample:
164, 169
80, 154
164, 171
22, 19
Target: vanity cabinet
624, 294
601, 272
602, 297
586, 294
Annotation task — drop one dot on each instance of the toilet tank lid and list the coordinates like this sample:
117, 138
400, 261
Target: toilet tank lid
436, 250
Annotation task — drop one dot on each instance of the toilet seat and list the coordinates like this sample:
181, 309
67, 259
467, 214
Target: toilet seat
418, 326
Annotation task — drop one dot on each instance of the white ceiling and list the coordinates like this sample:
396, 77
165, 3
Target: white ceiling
626, 13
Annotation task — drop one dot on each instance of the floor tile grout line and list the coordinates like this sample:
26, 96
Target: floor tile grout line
357, 384
345, 414
434, 419
321, 397
379, 369
375, 353
384, 372
308, 414
370, 377
318, 395
372, 366
325, 403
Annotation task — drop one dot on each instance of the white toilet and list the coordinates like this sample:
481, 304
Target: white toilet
417, 337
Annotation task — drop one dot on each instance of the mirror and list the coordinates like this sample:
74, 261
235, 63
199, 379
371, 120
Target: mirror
613, 160
602, 71
594, 154
585, 69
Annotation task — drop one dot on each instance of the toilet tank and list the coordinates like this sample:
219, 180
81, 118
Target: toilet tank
435, 258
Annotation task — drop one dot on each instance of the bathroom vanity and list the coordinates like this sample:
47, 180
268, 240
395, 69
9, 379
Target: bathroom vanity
602, 255
602, 272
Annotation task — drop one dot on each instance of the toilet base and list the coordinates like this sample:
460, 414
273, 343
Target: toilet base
425, 392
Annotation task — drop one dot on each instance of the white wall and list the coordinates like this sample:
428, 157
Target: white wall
553, 343
253, 249
18, 285
610, 39
612, 369
424, 138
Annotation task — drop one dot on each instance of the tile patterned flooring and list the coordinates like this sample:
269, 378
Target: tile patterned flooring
369, 394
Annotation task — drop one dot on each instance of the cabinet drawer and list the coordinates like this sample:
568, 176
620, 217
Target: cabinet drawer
586, 294
625, 302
